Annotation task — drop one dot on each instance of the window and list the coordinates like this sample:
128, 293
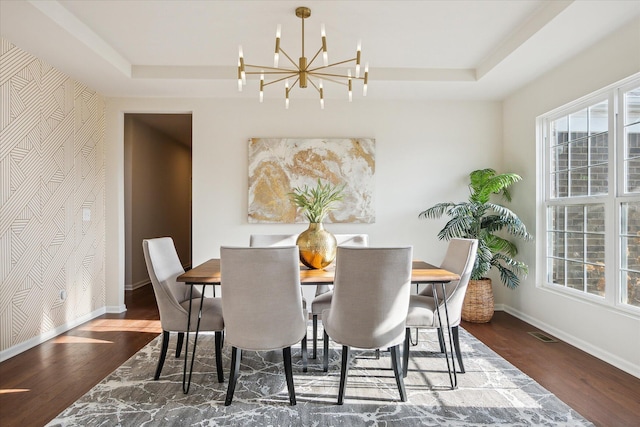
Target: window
592, 197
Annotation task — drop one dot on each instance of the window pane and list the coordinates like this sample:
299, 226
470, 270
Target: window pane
632, 172
630, 239
575, 218
556, 218
578, 125
556, 244
632, 106
599, 180
579, 182
631, 281
630, 253
595, 248
599, 118
560, 131
560, 185
631, 219
599, 145
559, 158
595, 218
575, 275
632, 135
595, 280
556, 271
575, 246
579, 155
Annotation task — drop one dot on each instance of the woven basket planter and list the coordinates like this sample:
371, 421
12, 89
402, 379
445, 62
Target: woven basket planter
478, 302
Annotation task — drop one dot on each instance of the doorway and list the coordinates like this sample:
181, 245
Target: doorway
157, 182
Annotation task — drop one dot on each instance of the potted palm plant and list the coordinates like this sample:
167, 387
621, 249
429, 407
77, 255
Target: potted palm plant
317, 246
480, 218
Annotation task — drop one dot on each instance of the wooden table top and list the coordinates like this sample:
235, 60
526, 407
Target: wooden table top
208, 273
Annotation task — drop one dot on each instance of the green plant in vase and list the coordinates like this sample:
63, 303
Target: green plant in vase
480, 218
317, 246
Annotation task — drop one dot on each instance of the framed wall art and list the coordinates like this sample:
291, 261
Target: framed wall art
277, 165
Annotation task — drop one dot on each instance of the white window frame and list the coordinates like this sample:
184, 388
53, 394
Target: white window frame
613, 293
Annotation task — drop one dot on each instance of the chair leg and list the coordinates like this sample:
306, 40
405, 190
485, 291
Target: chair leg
179, 344
344, 371
456, 344
236, 353
219, 356
288, 372
305, 356
441, 340
163, 354
395, 360
315, 336
325, 353
405, 353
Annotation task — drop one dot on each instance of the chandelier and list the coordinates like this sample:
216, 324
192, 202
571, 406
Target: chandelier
304, 72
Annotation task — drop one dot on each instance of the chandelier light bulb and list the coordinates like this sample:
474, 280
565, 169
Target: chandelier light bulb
261, 87
325, 55
276, 55
358, 52
239, 77
350, 86
366, 79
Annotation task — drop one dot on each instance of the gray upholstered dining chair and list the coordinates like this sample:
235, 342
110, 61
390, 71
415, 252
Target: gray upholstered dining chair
274, 240
369, 305
262, 316
173, 300
460, 259
324, 294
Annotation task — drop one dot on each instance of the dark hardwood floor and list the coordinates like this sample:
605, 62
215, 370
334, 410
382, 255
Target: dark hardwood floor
38, 384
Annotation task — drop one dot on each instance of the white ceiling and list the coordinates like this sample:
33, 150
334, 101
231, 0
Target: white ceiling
476, 49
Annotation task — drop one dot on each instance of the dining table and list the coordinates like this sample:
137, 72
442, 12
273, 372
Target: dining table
208, 274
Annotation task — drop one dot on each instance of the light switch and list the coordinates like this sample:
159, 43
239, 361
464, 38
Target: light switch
86, 214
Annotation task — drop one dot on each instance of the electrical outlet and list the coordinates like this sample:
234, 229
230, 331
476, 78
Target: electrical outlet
63, 295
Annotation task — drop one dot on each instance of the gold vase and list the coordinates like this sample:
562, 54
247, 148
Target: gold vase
317, 246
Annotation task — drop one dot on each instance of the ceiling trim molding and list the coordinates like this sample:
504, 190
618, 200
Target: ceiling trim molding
69, 22
543, 16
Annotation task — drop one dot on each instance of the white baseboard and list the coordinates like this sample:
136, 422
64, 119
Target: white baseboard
116, 309
134, 286
26, 345
601, 354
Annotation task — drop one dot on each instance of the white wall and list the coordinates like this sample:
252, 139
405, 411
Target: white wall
608, 334
424, 152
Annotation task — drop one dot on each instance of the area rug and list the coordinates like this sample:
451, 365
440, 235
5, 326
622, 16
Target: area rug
491, 392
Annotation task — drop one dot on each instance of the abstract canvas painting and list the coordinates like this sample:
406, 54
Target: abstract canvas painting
277, 165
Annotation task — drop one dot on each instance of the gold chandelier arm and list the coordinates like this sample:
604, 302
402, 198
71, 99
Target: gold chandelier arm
283, 71
328, 78
289, 58
262, 67
314, 85
314, 57
332, 65
316, 73
289, 75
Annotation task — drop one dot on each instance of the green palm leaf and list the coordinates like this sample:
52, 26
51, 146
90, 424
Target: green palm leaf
489, 222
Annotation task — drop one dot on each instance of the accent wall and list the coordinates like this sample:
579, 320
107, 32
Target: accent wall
52, 191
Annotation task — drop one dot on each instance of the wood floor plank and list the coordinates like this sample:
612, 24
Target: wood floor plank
38, 384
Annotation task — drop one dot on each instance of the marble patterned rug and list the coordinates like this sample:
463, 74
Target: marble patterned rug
491, 392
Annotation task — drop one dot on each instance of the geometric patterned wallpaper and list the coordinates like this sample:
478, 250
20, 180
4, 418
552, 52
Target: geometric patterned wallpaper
52, 188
